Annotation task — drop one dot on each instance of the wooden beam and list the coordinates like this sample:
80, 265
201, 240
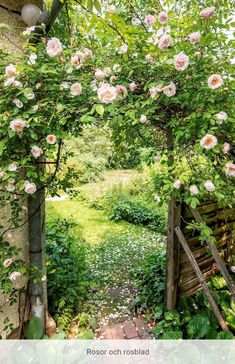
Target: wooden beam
203, 283
220, 262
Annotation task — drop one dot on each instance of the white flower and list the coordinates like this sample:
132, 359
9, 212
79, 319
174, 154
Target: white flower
111, 9
54, 47
10, 71
32, 59
133, 86
163, 17
230, 169
36, 151
195, 37
12, 167
220, 117
181, 61
209, 141
18, 125
29, 95
156, 198
64, 86
28, 30
10, 186
113, 79
143, 119
123, 49
193, 190
35, 107
209, 186
107, 93
38, 86
177, 184
117, 67
18, 103
30, 187
7, 262
215, 81
107, 71
14, 275
2, 174
169, 90
226, 148
76, 89
88, 53
99, 75
51, 139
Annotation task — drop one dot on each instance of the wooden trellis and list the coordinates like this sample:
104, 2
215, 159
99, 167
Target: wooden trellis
210, 259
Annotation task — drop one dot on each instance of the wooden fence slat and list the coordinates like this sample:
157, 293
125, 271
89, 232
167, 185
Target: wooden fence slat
205, 288
220, 262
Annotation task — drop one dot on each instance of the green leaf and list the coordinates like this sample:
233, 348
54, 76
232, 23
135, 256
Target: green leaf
97, 6
89, 5
5, 26
34, 329
2, 147
100, 109
172, 316
198, 327
225, 335
172, 335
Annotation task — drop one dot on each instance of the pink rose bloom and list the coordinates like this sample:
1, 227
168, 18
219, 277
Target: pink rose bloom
78, 59
193, 190
169, 90
133, 86
107, 93
107, 71
76, 89
99, 75
181, 61
123, 48
121, 90
54, 47
156, 198
220, 117
209, 186
149, 19
226, 148
207, 13
30, 187
14, 275
230, 169
10, 71
195, 37
51, 139
209, 141
215, 81
165, 42
64, 86
18, 103
12, 167
36, 151
7, 262
163, 17
154, 90
150, 58
113, 79
18, 125
143, 119
177, 184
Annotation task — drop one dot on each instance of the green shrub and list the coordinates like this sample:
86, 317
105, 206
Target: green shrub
68, 279
138, 213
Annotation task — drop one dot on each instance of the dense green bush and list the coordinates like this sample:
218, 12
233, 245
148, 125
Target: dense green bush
68, 278
138, 213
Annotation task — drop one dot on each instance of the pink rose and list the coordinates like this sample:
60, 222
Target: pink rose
14, 275
209, 141
181, 61
122, 91
209, 186
113, 79
133, 86
54, 47
99, 75
195, 37
36, 151
18, 125
10, 71
165, 42
76, 89
215, 81
107, 93
123, 48
149, 19
30, 187
169, 90
207, 13
7, 262
150, 58
107, 71
163, 17
51, 139
220, 117
12, 167
177, 184
226, 148
230, 169
193, 190
154, 90
78, 59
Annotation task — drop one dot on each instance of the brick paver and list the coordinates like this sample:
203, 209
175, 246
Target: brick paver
135, 329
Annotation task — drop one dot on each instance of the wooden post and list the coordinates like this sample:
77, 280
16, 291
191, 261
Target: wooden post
203, 283
220, 262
